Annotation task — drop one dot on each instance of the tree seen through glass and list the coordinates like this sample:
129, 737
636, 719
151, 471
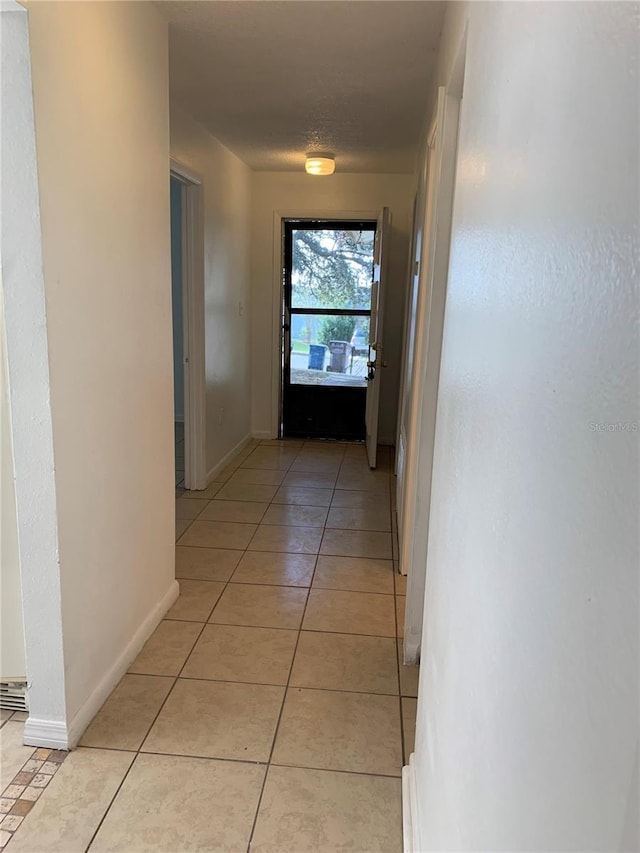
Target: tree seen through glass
332, 268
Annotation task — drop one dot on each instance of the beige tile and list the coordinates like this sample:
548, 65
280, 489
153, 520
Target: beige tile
223, 475
232, 653
310, 480
409, 675
289, 443
171, 804
357, 452
303, 496
359, 574
356, 500
322, 811
291, 540
260, 606
297, 516
350, 613
256, 477
219, 534
365, 481
269, 567
273, 458
320, 464
66, 816
20, 716
354, 518
181, 525
211, 564
400, 606
217, 719
126, 716
246, 492
400, 582
13, 753
31, 794
167, 648
203, 494
189, 508
196, 600
355, 543
346, 662
409, 710
246, 512
331, 730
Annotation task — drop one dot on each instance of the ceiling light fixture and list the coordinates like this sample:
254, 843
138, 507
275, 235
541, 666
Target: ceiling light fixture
320, 164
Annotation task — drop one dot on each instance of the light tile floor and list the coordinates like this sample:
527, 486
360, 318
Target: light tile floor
270, 710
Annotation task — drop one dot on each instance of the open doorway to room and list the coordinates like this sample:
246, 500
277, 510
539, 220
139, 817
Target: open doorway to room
179, 315
328, 275
187, 292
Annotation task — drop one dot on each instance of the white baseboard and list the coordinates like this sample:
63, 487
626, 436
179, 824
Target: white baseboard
228, 457
46, 733
411, 650
263, 434
59, 735
410, 818
387, 440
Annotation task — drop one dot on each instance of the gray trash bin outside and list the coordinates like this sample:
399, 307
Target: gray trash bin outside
316, 356
340, 352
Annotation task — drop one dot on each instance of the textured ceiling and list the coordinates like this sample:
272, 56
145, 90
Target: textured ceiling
273, 80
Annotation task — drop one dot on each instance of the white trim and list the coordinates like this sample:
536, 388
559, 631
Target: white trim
45, 733
228, 457
410, 821
279, 218
58, 735
262, 434
193, 319
23, 292
416, 498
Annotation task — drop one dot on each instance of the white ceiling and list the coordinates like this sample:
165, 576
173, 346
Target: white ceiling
273, 79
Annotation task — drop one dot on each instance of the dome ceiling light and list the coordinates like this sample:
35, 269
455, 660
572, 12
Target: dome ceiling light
320, 164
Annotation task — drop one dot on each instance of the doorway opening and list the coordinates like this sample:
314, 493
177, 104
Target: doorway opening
180, 358
326, 317
187, 292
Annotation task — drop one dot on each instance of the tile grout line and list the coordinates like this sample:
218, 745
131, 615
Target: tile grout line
309, 587
41, 755
284, 699
153, 721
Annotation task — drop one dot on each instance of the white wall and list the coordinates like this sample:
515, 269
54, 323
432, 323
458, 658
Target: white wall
287, 191
528, 712
28, 379
227, 198
100, 80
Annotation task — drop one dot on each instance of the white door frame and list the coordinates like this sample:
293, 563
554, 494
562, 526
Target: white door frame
195, 472
433, 274
279, 219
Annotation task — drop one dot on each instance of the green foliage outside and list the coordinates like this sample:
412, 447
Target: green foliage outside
336, 329
332, 268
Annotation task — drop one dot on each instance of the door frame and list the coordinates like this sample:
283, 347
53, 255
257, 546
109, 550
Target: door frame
195, 472
277, 291
415, 488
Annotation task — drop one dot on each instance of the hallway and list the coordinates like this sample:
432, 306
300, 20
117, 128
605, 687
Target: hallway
269, 710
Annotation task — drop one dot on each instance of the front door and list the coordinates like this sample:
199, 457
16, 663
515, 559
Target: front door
328, 274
